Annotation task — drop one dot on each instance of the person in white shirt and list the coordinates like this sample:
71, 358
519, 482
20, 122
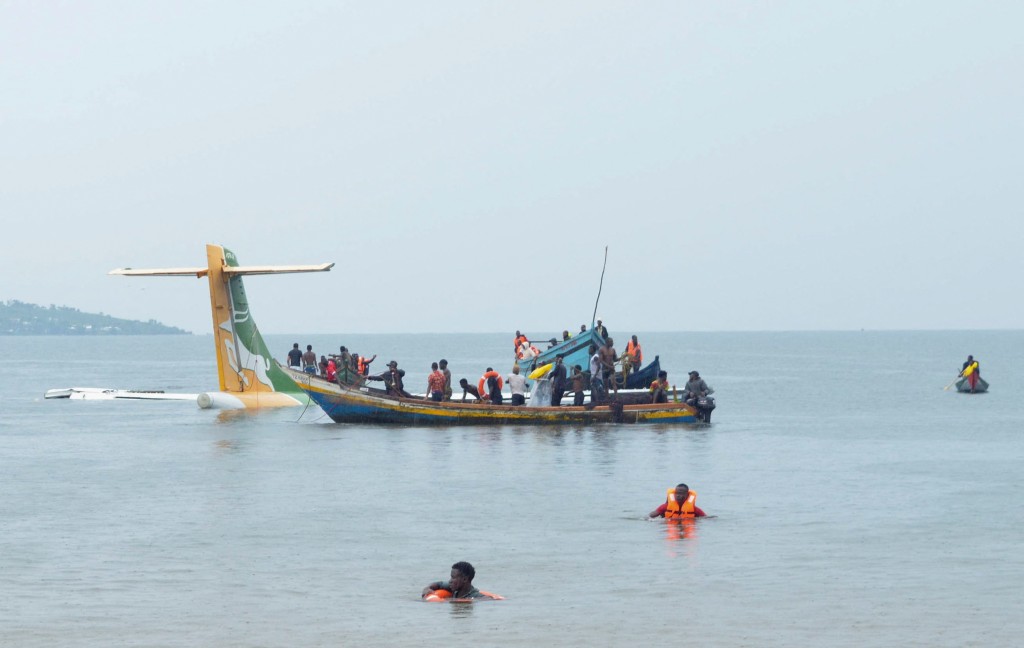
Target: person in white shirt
597, 391
517, 384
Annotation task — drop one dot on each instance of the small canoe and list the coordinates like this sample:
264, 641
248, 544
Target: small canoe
964, 385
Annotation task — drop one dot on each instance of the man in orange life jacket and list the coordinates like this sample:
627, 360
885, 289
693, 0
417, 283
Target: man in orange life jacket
636, 355
363, 364
679, 503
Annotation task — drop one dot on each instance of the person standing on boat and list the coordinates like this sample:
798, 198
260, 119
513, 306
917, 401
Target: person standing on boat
583, 328
597, 391
695, 389
363, 364
566, 336
443, 365
559, 381
517, 384
635, 353
491, 383
680, 502
659, 388
345, 367
295, 357
435, 383
608, 358
309, 360
579, 382
392, 380
519, 342
601, 330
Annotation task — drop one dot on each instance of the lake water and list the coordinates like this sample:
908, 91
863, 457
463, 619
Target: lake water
855, 503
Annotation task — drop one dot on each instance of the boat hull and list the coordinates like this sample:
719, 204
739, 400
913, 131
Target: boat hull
362, 405
964, 385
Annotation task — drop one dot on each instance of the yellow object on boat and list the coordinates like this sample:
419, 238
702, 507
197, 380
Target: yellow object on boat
970, 369
540, 372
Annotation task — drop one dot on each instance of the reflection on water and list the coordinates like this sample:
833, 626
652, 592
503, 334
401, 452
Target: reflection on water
233, 416
681, 529
461, 609
227, 446
681, 537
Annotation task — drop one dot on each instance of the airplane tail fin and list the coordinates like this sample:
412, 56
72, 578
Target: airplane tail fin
244, 363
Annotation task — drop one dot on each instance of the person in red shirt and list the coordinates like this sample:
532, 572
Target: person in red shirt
680, 503
435, 383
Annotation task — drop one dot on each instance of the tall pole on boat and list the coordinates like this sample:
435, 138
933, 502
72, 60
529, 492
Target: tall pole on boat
599, 287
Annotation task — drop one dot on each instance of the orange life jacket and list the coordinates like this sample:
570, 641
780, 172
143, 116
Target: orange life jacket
519, 341
482, 385
361, 365
635, 351
657, 383
673, 509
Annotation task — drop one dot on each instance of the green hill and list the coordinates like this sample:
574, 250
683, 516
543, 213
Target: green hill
19, 318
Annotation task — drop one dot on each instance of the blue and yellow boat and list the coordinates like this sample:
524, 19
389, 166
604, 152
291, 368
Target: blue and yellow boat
361, 404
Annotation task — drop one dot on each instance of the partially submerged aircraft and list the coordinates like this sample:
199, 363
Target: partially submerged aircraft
249, 376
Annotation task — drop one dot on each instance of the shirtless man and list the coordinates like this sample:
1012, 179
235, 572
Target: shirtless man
309, 360
469, 390
608, 356
443, 364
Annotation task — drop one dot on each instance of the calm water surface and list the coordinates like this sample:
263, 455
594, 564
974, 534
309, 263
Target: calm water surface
856, 503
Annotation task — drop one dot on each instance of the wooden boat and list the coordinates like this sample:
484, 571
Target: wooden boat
640, 379
361, 404
574, 351
964, 385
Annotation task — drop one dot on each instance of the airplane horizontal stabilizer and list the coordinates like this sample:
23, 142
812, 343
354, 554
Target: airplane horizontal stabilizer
232, 271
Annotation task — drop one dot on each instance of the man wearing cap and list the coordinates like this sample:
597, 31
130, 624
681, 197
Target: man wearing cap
680, 502
695, 389
392, 380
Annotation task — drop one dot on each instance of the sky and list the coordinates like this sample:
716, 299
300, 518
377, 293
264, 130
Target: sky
749, 165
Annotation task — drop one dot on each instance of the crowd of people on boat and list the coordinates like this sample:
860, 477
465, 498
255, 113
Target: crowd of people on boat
606, 370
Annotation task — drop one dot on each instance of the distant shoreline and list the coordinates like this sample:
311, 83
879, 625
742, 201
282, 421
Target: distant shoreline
20, 318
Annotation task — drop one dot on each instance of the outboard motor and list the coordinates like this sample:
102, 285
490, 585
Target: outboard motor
704, 406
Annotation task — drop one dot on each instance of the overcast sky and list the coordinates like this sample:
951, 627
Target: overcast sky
751, 166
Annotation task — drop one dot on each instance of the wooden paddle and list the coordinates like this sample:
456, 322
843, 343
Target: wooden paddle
946, 388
